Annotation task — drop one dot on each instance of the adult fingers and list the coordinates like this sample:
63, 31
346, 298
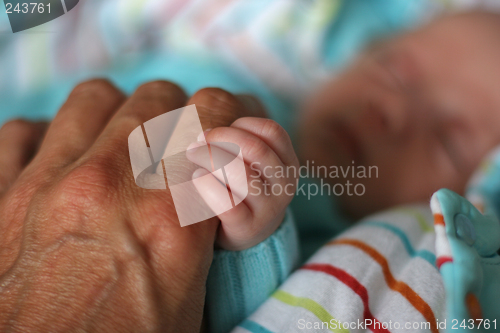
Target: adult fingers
217, 107
151, 214
80, 121
148, 101
19, 141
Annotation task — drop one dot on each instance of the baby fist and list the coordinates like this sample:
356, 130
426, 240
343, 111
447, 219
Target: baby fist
260, 200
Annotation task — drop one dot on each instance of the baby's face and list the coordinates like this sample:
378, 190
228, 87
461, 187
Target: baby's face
423, 107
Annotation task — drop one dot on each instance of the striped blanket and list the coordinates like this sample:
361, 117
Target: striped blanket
380, 275
419, 268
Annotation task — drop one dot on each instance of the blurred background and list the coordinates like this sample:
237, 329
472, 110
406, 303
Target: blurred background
278, 50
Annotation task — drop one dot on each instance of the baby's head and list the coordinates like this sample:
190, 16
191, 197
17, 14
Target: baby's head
423, 107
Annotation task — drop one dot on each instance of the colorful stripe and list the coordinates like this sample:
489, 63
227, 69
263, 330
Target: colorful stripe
422, 221
474, 306
443, 260
439, 219
415, 300
443, 249
309, 305
253, 327
424, 254
356, 286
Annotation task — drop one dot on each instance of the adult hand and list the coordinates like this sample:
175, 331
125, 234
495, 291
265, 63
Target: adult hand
82, 248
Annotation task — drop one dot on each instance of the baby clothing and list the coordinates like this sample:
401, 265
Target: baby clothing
426, 268
467, 245
379, 275
239, 281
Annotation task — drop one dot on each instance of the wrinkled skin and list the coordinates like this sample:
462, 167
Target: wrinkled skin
423, 107
82, 247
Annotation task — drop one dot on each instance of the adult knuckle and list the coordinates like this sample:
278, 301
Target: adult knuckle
16, 125
96, 87
88, 185
217, 98
219, 103
155, 209
106, 168
159, 87
21, 194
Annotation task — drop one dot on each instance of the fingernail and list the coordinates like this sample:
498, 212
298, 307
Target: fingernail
194, 145
199, 173
202, 135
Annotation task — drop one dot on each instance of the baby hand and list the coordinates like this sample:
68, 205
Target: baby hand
271, 178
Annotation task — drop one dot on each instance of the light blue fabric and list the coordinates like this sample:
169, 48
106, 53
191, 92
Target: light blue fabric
240, 281
318, 219
474, 240
489, 185
189, 73
360, 22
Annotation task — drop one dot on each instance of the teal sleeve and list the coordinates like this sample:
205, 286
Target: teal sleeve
239, 281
